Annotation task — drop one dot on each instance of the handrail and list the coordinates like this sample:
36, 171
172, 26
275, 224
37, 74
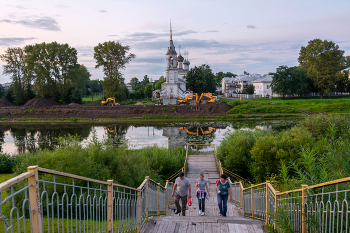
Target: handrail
15, 180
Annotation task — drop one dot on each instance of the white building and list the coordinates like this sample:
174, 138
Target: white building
346, 69
243, 81
174, 87
263, 86
228, 86
129, 87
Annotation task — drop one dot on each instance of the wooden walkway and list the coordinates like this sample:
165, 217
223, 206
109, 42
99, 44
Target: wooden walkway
211, 222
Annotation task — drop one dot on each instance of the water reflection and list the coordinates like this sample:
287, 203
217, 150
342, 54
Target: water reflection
17, 139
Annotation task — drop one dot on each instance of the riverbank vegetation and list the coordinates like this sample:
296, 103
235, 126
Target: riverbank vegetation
313, 151
337, 104
103, 161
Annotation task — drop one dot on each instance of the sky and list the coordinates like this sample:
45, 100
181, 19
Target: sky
234, 36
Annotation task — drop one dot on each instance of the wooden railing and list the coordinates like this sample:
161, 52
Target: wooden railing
60, 202
318, 208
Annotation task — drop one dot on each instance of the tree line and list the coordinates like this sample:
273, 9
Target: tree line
320, 70
51, 70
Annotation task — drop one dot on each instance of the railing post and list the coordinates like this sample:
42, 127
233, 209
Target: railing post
267, 204
303, 201
158, 189
166, 196
252, 199
243, 203
34, 198
235, 194
147, 193
110, 206
276, 207
139, 210
196, 149
240, 196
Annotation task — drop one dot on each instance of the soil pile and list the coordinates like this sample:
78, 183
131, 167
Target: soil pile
73, 104
139, 104
40, 103
5, 103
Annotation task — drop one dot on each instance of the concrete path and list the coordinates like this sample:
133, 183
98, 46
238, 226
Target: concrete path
211, 222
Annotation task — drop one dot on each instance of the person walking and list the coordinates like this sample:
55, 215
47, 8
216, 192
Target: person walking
182, 189
224, 192
202, 192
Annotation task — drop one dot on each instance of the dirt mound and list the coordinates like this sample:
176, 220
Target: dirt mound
73, 104
139, 104
40, 103
5, 103
149, 103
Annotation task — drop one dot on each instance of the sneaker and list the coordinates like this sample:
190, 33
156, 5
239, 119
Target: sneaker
202, 213
220, 215
177, 212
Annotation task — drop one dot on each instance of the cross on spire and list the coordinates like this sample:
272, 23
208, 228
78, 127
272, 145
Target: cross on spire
171, 32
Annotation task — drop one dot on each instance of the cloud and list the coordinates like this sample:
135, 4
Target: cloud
142, 36
102, 11
10, 41
85, 51
156, 60
251, 26
211, 31
45, 23
112, 35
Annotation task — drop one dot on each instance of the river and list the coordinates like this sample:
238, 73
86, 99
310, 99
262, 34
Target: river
21, 138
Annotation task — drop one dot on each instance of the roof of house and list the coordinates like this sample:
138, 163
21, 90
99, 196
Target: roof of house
265, 79
229, 79
346, 69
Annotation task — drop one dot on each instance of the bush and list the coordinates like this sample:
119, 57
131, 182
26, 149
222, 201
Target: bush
102, 161
7, 163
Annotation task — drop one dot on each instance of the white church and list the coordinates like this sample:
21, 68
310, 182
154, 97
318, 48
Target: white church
174, 87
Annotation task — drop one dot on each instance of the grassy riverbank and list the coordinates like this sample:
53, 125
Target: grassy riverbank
338, 104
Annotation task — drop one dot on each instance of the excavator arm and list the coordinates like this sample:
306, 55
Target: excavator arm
184, 100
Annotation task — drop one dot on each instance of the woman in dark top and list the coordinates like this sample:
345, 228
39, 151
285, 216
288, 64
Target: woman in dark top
224, 193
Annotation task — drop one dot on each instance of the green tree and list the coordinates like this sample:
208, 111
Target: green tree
82, 80
159, 83
343, 82
145, 81
135, 83
148, 90
113, 57
201, 79
302, 84
282, 81
15, 68
96, 86
323, 60
250, 89
245, 73
52, 68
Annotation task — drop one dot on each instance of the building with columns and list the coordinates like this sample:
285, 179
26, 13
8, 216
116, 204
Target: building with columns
174, 88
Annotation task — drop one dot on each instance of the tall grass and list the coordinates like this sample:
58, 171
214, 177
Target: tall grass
101, 160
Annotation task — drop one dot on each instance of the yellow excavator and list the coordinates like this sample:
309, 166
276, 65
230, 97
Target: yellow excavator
197, 133
185, 100
210, 96
110, 129
110, 101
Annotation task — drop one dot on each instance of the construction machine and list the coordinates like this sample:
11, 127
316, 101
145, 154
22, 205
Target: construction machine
198, 128
210, 96
110, 129
185, 100
110, 101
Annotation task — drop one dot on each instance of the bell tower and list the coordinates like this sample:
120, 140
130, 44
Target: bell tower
171, 57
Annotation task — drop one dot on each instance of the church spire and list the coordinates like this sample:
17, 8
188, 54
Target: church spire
171, 32
171, 48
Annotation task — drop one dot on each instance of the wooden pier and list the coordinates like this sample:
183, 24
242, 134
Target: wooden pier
211, 222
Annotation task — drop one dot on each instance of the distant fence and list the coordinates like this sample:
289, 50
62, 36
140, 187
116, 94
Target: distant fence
45, 200
247, 96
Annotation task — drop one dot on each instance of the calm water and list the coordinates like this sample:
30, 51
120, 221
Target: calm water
16, 139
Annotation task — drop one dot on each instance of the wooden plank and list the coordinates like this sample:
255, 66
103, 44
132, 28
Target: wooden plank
250, 229
158, 226
208, 228
34, 198
224, 228
232, 228
200, 227
216, 228
170, 227
15, 180
183, 227
258, 229
191, 228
